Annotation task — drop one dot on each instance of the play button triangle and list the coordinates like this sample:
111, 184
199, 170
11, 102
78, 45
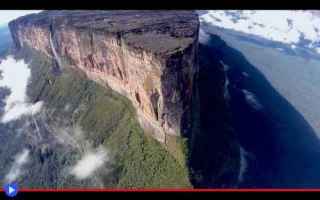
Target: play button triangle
11, 190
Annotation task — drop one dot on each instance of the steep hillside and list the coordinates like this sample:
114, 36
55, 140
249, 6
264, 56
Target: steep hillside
129, 100
78, 117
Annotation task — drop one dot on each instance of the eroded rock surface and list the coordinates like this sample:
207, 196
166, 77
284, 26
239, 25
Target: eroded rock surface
148, 56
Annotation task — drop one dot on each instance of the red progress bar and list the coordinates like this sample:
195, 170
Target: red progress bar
166, 190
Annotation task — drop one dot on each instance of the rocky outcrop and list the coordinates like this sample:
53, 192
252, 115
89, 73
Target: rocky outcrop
148, 56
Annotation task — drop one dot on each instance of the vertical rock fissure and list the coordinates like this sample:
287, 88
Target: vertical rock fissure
53, 48
154, 100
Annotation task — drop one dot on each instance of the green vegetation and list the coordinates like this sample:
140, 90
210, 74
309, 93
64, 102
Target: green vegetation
107, 118
145, 162
178, 147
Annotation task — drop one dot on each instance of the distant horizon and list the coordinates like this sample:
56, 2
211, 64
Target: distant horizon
8, 15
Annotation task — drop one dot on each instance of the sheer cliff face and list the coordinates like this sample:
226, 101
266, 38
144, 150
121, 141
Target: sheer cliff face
148, 56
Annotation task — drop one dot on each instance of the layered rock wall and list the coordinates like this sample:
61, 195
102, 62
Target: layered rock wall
148, 56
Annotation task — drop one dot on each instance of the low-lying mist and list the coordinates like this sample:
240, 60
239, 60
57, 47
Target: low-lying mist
14, 76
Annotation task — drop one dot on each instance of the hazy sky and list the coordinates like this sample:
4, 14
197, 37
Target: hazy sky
8, 15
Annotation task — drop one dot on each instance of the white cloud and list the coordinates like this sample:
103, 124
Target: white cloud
252, 100
286, 26
8, 15
15, 76
16, 169
243, 164
89, 163
21, 109
203, 36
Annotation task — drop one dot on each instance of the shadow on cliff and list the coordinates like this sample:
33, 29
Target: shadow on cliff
214, 157
282, 150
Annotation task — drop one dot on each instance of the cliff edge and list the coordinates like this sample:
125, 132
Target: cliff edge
148, 56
